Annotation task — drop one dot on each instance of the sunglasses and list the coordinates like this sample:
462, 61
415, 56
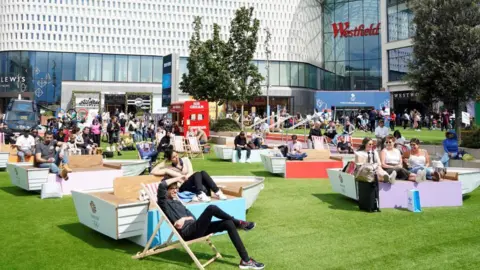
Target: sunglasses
389, 142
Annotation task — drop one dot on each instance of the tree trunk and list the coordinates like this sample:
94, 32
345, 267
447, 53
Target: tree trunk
458, 121
216, 111
241, 118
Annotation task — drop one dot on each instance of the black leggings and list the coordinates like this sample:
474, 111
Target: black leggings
402, 174
204, 226
198, 182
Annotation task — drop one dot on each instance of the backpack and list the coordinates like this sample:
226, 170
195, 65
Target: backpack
130, 128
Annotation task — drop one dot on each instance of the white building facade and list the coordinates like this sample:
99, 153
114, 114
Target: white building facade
114, 49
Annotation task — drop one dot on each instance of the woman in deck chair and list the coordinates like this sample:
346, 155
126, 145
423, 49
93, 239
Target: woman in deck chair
199, 183
191, 228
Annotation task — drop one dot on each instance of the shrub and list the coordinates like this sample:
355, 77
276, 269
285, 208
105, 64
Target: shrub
471, 138
225, 125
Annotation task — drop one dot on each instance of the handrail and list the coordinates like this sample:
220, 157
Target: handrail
300, 124
258, 122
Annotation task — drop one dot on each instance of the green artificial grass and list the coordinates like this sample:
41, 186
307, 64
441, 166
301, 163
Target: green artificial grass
300, 225
430, 137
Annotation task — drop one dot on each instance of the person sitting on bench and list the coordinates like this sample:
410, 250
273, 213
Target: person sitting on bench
147, 151
25, 145
165, 143
344, 147
295, 149
257, 138
191, 228
366, 154
201, 136
241, 144
46, 157
199, 183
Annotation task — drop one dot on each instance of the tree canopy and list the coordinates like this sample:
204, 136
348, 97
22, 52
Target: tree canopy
445, 64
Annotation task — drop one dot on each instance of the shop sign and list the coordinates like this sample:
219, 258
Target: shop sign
87, 100
196, 105
12, 81
139, 100
343, 29
405, 95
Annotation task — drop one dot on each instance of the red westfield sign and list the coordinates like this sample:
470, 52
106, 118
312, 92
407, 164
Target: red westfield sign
343, 29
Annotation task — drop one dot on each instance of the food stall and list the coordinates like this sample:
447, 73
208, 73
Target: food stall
191, 113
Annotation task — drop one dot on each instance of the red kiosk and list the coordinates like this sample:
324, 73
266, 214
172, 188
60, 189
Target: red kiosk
191, 113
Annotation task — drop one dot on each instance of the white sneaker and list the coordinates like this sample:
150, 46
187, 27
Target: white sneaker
203, 197
248, 161
195, 199
393, 177
421, 175
220, 195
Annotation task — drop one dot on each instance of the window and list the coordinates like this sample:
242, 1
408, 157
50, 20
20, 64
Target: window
121, 68
81, 67
284, 73
398, 63
95, 67
108, 68
134, 68
146, 69
157, 69
294, 74
399, 20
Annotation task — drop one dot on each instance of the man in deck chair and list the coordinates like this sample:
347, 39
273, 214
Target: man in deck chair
47, 157
191, 228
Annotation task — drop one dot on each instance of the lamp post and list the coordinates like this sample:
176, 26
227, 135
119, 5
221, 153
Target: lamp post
267, 67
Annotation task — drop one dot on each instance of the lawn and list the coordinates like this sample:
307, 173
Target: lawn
426, 136
300, 225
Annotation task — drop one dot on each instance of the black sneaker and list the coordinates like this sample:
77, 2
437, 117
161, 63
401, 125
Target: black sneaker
252, 264
247, 226
119, 154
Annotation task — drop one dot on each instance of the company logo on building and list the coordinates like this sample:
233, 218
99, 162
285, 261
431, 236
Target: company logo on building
12, 79
343, 29
352, 97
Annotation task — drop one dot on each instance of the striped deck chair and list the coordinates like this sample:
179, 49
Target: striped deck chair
194, 147
180, 147
320, 143
169, 244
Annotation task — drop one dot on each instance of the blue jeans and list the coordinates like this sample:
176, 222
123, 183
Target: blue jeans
429, 171
445, 159
54, 166
22, 154
297, 156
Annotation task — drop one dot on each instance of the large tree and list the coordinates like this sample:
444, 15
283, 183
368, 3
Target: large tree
446, 52
242, 45
208, 68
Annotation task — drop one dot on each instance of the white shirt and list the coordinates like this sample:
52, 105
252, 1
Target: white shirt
264, 127
294, 147
363, 157
25, 143
381, 132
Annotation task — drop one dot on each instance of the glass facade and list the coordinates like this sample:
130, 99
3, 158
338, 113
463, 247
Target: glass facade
352, 45
398, 63
282, 73
43, 72
399, 19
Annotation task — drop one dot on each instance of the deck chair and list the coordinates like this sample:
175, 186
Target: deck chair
150, 190
194, 148
320, 143
180, 147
